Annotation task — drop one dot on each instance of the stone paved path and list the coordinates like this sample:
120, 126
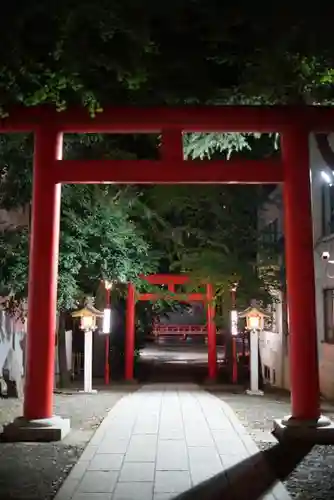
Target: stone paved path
159, 442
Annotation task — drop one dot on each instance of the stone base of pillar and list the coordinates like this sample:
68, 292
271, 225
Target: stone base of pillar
43, 430
249, 392
92, 391
319, 431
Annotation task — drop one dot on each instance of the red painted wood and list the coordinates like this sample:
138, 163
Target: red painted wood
171, 147
186, 118
212, 337
182, 329
183, 297
234, 171
130, 333
165, 279
43, 271
303, 357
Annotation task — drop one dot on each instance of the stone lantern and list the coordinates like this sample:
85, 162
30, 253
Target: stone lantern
88, 316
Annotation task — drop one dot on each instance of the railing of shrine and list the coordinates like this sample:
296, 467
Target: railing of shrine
161, 329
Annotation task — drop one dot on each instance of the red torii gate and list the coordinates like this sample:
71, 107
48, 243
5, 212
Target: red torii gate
171, 280
50, 171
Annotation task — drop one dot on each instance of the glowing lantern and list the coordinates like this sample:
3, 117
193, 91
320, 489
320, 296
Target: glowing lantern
254, 318
88, 316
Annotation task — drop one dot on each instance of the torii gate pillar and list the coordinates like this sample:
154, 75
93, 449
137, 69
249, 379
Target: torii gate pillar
38, 422
305, 421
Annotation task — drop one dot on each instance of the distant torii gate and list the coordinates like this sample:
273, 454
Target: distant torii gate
294, 124
171, 280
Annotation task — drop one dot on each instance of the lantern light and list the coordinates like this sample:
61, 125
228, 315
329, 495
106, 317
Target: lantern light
106, 320
253, 322
108, 284
87, 316
255, 318
234, 322
87, 323
327, 175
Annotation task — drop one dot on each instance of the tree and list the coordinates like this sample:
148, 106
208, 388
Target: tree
212, 232
191, 52
98, 239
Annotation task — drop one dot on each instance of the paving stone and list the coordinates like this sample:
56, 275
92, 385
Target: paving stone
169, 432
200, 455
160, 442
79, 469
119, 430
91, 496
98, 482
89, 452
227, 443
137, 472
229, 461
163, 496
147, 427
133, 491
172, 481
172, 455
67, 489
142, 448
199, 438
106, 461
200, 473
113, 445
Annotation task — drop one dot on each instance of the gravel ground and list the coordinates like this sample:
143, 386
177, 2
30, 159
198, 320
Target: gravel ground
314, 477
36, 471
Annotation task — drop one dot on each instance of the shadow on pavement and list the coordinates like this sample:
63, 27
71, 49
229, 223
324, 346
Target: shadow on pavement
253, 477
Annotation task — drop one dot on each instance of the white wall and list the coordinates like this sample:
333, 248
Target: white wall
271, 341
12, 333
68, 345
323, 271
14, 218
323, 279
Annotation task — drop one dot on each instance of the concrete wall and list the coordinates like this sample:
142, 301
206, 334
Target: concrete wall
272, 210
14, 218
12, 331
12, 336
272, 341
324, 272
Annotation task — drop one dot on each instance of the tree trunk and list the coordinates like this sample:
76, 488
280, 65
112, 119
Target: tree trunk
64, 370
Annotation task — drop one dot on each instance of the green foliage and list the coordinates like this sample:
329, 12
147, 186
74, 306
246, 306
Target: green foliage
14, 244
206, 145
212, 235
16, 151
192, 52
98, 238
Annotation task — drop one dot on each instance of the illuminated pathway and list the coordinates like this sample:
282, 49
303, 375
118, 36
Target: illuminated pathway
158, 442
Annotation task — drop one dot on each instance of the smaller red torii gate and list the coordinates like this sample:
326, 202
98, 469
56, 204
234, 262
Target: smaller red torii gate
171, 280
